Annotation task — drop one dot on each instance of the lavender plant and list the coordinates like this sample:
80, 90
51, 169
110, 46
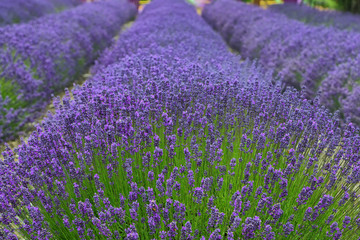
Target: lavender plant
17, 11
336, 19
45, 55
303, 55
341, 88
166, 142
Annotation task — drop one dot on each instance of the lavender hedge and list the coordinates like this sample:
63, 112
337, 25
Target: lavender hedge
340, 20
173, 138
47, 54
17, 11
306, 57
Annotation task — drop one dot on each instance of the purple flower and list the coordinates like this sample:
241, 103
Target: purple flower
358, 222
216, 218
215, 235
131, 233
258, 192
66, 222
133, 210
191, 178
244, 190
344, 199
346, 221
206, 183
159, 183
308, 214
91, 234
169, 203
324, 202
288, 228
163, 235
151, 175
269, 235
304, 195
172, 230
210, 203
235, 224
198, 194
156, 140
76, 190
232, 163
276, 211
250, 226
237, 204
186, 231
179, 211
334, 227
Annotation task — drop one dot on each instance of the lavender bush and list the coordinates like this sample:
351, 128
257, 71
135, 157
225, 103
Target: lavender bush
16, 11
340, 20
45, 55
304, 56
341, 88
175, 139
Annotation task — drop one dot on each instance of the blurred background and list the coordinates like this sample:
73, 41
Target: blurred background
341, 5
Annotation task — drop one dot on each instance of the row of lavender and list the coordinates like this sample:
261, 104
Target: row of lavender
315, 59
17, 11
340, 20
45, 55
173, 138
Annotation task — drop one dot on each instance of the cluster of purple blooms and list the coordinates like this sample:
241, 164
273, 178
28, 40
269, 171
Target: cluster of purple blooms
315, 59
45, 55
174, 138
17, 11
336, 19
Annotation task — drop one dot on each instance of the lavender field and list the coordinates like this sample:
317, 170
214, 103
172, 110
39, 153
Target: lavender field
174, 136
18, 11
41, 57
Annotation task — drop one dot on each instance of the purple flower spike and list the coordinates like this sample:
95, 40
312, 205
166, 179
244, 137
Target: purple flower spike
172, 230
250, 226
198, 194
131, 233
215, 235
